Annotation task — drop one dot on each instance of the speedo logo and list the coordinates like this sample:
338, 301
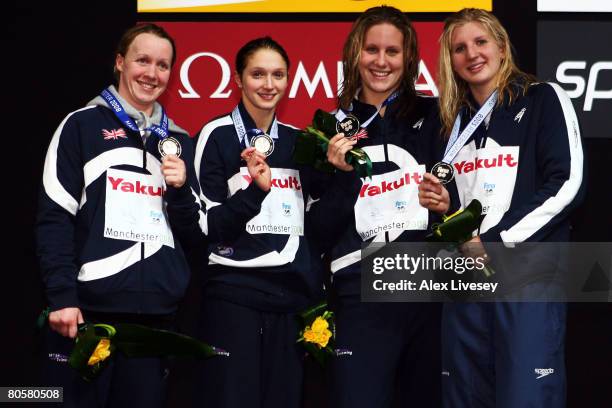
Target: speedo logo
137, 188
287, 182
543, 372
389, 185
499, 161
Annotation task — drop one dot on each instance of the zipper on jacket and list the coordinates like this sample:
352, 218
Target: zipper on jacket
142, 244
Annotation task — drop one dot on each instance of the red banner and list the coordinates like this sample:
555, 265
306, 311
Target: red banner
202, 85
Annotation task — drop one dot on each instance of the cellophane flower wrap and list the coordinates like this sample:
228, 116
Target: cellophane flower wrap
96, 343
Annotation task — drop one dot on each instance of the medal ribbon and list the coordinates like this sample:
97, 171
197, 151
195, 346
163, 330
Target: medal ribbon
161, 131
456, 140
340, 115
244, 134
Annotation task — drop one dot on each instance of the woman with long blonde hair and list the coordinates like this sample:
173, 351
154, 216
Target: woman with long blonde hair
517, 151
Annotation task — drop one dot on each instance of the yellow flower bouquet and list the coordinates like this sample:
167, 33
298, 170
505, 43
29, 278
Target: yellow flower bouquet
318, 333
96, 343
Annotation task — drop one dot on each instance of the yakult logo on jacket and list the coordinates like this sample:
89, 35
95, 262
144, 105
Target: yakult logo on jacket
137, 187
391, 185
286, 182
501, 160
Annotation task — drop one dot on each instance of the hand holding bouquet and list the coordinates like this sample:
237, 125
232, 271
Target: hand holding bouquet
457, 230
312, 143
95, 343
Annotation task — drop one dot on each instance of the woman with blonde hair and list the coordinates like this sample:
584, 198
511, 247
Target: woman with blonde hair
513, 144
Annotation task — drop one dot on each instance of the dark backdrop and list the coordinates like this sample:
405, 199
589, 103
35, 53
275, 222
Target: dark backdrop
60, 54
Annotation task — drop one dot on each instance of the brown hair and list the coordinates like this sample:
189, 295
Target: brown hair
128, 37
454, 91
250, 48
352, 53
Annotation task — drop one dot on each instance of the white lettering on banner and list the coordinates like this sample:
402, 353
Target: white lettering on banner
320, 78
340, 75
135, 209
591, 84
311, 86
225, 77
488, 175
430, 84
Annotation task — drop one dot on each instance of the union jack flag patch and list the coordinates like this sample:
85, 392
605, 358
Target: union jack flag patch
114, 134
362, 134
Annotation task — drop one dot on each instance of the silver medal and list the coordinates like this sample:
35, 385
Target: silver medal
263, 143
169, 145
349, 126
443, 171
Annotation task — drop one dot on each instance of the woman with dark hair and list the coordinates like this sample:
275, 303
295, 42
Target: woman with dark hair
382, 344
526, 136
106, 249
261, 271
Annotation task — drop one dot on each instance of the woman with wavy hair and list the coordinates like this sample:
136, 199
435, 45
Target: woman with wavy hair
519, 153
381, 344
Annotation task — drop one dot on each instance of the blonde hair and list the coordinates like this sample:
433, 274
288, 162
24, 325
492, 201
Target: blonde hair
352, 54
454, 91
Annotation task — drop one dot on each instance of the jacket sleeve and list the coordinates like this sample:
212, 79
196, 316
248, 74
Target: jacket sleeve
329, 217
61, 190
185, 210
225, 216
560, 162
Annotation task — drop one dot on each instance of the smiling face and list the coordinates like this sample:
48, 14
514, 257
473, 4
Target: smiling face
476, 57
381, 63
263, 81
144, 71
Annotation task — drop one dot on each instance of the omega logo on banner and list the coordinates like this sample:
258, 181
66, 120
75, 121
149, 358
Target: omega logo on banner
202, 86
310, 82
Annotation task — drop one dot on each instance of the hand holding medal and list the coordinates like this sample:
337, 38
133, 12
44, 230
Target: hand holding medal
174, 171
433, 195
337, 149
258, 168
311, 146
